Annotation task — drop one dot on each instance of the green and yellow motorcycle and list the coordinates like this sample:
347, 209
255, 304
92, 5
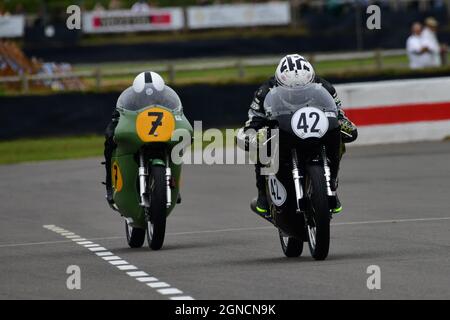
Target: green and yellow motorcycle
145, 180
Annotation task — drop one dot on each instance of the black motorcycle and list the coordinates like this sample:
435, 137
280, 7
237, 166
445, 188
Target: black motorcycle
299, 193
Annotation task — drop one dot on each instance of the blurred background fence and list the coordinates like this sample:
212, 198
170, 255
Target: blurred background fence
100, 76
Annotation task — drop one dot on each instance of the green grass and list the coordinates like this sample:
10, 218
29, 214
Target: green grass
57, 148
24, 150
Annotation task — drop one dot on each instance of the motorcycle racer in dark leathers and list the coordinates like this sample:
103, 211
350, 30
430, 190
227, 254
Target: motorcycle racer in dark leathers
294, 71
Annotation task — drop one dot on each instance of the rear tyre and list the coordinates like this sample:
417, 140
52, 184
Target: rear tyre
291, 247
156, 220
318, 228
135, 236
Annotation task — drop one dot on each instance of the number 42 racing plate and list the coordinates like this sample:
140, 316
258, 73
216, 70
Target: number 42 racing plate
309, 122
155, 125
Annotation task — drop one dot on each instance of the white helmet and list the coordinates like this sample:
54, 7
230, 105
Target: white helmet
294, 71
146, 79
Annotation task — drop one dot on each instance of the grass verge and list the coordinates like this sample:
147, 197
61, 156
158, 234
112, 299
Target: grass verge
25, 150
63, 148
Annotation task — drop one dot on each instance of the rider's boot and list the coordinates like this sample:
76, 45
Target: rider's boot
338, 207
109, 147
109, 188
260, 204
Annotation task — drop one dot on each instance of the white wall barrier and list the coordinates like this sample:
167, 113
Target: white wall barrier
398, 111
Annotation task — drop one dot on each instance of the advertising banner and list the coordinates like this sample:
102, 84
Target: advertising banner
129, 21
239, 15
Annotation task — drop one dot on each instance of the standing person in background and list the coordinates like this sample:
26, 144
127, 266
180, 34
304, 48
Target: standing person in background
432, 58
415, 48
115, 5
140, 6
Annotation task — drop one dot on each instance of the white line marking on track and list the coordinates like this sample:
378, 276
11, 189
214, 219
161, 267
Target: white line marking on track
85, 242
109, 258
118, 262
146, 279
127, 267
103, 254
158, 285
95, 249
137, 274
389, 221
170, 291
350, 223
182, 298
123, 265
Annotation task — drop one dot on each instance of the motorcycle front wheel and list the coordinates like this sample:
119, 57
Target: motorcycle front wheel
156, 219
135, 236
318, 226
291, 247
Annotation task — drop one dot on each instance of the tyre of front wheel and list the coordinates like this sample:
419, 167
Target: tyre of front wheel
291, 247
319, 232
135, 236
156, 220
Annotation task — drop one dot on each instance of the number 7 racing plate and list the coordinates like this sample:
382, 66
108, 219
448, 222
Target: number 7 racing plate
155, 125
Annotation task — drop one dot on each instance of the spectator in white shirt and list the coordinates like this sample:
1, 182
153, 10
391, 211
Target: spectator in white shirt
140, 6
432, 58
415, 48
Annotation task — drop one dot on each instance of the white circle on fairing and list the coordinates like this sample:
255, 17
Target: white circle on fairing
277, 191
309, 122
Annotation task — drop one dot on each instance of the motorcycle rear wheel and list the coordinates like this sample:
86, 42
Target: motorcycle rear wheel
291, 247
156, 221
319, 230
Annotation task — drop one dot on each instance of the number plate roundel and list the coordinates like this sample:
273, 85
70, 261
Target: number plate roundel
309, 122
277, 191
155, 125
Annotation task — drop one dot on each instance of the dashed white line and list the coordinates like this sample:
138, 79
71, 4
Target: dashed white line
109, 258
158, 285
85, 242
350, 223
146, 279
104, 253
90, 245
127, 267
137, 274
97, 249
118, 262
170, 291
181, 298
162, 288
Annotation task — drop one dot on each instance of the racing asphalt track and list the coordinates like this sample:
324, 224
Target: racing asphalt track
217, 249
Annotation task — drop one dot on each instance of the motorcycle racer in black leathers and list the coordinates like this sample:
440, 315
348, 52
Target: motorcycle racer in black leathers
295, 71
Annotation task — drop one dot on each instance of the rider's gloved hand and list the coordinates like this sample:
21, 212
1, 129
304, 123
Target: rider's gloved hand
349, 131
250, 137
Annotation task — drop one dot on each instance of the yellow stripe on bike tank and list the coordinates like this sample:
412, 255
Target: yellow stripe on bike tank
116, 175
155, 125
